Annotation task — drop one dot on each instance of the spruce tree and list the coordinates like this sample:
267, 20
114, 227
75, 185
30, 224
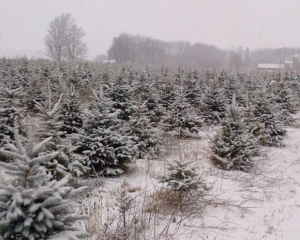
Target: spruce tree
182, 176
81, 77
64, 162
121, 94
144, 90
266, 126
103, 140
141, 131
71, 113
180, 119
234, 146
285, 103
213, 104
33, 207
11, 111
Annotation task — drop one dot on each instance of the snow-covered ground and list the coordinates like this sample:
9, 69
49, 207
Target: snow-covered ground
261, 204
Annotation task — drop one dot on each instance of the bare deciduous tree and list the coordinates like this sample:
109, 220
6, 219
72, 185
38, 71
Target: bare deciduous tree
64, 39
75, 48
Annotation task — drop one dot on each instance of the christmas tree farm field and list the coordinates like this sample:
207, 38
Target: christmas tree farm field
262, 203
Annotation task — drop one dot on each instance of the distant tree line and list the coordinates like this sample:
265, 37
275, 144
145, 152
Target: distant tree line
137, 49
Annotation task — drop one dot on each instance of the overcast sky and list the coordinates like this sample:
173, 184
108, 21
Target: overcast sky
224, 23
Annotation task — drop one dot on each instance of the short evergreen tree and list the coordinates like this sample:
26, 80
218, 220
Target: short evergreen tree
285, 103
81, 77
34, 207
71, 113
182, 176
145, 91
121, 95
64, 162
50, 127
213, 104
266, 125
234, 146
141, 131
180, 119
103, 140
11, 111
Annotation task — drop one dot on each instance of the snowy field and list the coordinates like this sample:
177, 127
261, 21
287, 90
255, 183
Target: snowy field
261, 204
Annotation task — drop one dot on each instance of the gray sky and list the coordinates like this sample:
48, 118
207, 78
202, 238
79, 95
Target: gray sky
224, 23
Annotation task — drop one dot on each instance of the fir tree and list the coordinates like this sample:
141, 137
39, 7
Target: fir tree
145, 91
234, 147
34, 207
232, 86
81, 77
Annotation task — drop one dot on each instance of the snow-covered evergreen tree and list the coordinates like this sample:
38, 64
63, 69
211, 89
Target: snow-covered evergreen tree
33, 207
167, 95
285, 102
141, 131
121, 94
103, 140
234, 146
233, 86
180, 119
64, 162
71, 113
213, 104
193, 89
81, 77
11, 111
145, 91
182, 176
266, 126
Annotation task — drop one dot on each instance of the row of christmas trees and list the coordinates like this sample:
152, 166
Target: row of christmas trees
60, 122
117, 115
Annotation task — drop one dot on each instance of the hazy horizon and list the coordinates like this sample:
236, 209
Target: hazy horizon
224, 23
